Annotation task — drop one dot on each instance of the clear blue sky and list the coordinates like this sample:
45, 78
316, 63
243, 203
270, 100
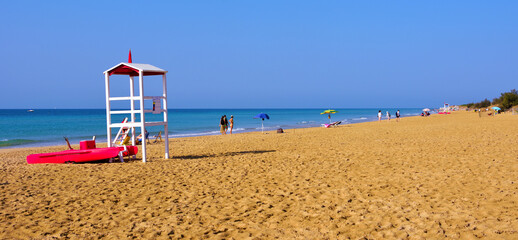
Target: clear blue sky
262, 54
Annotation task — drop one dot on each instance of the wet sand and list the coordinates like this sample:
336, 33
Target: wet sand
434, 177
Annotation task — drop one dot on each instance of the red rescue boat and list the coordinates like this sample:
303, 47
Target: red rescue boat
87, 153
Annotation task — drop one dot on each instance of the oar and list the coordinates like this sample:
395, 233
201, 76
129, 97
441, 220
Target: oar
68, 143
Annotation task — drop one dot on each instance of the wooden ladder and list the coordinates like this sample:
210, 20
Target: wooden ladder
122, 134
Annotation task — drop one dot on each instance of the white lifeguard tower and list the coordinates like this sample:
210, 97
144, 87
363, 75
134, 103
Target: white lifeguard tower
446, 107
132, 70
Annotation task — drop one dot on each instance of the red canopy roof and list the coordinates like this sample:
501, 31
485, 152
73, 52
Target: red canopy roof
133, 69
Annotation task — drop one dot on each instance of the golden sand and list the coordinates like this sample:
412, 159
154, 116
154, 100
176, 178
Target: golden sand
437, 177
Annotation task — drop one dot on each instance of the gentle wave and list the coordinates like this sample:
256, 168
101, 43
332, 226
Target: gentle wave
15, 142
305, 122
179, 135
192, 134
80, 124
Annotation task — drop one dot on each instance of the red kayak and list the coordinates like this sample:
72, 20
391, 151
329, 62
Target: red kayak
87, 153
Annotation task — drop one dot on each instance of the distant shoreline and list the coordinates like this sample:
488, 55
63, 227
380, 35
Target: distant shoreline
102, 139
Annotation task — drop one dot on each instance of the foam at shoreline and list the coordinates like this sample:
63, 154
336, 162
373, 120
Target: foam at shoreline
46, 127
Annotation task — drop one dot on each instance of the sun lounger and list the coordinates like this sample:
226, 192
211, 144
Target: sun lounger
333, 124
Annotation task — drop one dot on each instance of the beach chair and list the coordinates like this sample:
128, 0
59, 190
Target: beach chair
158, 136
126, 141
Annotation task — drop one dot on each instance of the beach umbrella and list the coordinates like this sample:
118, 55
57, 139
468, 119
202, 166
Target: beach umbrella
262, 116
496, 108
426, 110
329, 112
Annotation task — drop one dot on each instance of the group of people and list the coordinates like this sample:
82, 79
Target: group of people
226, 124
388, 115
425, 114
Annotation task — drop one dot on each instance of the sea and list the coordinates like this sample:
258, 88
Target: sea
48, 127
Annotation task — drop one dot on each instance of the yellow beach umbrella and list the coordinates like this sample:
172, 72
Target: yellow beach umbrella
329, 112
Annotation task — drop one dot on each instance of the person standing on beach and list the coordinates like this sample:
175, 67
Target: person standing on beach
222, 125
397, 116
226, 123
379, 116
231, 123
388, 115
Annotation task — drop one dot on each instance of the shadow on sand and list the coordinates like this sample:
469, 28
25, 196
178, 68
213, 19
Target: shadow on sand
221, 155
185, 157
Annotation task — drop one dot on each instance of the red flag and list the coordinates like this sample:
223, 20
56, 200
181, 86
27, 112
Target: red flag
129, 57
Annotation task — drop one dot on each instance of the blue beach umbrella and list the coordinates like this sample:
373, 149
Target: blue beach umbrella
262, 116
496, 108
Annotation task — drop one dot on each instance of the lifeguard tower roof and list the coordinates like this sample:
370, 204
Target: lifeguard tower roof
133, 69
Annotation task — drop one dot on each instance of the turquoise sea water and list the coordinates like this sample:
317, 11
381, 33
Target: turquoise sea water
45, 127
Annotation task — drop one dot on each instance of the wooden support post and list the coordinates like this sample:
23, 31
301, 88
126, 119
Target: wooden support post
132, 103
108, 114
164, 106
141, 110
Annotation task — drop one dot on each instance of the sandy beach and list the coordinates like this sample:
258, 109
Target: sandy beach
436, 177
